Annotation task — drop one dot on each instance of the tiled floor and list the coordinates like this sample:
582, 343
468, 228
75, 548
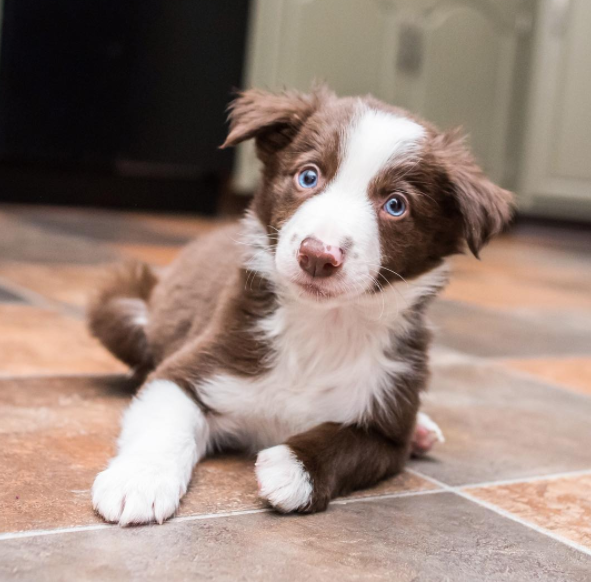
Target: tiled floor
508, 497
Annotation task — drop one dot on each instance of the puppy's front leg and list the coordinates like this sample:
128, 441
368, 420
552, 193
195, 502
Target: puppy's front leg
311, 468
163, 436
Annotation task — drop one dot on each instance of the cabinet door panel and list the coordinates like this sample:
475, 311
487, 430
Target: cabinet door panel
556, 176
328, 41
465, 77
571, 150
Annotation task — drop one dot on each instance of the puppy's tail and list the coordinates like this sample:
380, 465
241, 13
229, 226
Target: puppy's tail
118, 314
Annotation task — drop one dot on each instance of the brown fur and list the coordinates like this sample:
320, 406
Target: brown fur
110, 314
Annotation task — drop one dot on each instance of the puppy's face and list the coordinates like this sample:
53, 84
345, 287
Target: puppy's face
357, 194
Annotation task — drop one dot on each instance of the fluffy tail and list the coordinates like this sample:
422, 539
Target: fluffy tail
118, 314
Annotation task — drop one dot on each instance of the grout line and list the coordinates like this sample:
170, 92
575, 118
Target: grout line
504, 513
440, 484
202, 516
33, 297
48, 532
549, 477
442, 488
36, 299
386, 496
99, 526
524, 522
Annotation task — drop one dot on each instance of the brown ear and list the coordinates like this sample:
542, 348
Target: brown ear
485, 207
272, 118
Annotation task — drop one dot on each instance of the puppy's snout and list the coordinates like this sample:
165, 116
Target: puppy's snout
318, 259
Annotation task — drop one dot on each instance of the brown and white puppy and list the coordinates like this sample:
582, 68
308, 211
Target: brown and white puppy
300, 332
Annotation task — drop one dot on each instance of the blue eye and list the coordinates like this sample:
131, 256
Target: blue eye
395, 206
308, 178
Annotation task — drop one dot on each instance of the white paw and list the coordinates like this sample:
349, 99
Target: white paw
133, 491
283, 480
427, 434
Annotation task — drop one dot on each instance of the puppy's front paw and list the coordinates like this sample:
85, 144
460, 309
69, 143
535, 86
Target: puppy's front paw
283, 481
134, 491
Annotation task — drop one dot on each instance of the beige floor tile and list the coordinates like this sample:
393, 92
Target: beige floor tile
30, 243
72, 284
41, 341
562, 506
54, 435
500, 425
511, 334
502, 291
179, 224
514, 274
152, 254
573, 373
97, 225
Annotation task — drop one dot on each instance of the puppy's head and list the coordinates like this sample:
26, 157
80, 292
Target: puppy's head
356, 193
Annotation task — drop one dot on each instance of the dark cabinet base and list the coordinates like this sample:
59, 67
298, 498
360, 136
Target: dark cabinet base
118, 103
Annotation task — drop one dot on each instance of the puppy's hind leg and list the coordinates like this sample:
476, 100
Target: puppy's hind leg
427, 433
164, 435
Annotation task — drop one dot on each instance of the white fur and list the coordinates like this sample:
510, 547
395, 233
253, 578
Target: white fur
135, 310
164, 434
343, 215
255, 248
283, 480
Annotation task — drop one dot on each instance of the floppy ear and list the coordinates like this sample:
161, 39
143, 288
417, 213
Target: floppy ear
272, 118
485, 207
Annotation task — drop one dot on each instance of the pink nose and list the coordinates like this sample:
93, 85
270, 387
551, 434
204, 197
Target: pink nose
318, 259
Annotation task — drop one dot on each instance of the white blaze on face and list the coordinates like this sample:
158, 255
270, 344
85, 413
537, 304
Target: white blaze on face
343, 212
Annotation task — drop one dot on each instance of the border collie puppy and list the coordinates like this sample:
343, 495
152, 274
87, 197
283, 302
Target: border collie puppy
299, 333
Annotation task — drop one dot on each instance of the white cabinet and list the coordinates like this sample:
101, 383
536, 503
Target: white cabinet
463, 71
452, 61
556, 177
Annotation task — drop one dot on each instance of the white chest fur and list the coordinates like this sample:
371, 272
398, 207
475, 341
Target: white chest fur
329, 364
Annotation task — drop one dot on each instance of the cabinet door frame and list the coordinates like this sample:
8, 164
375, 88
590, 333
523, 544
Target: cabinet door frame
539, 186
